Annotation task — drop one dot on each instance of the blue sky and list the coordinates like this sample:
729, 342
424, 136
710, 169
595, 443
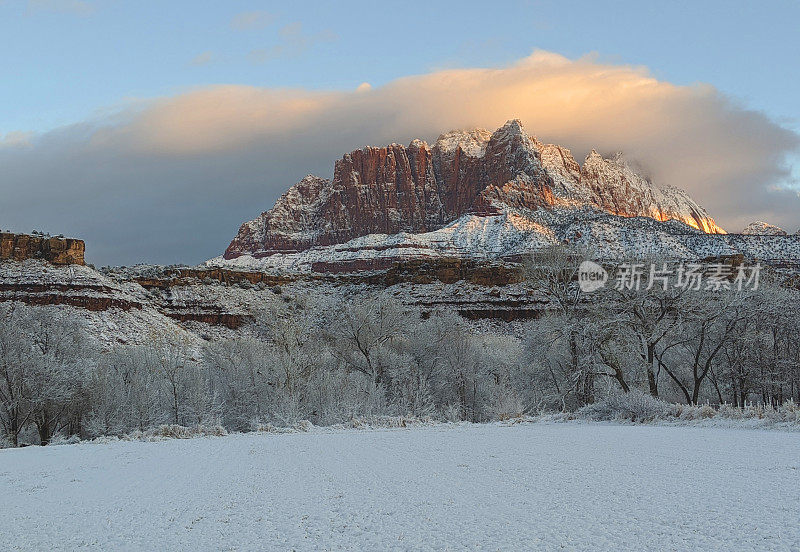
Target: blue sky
66, 60
175, 121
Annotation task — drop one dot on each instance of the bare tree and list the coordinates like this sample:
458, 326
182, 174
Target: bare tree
647, 317
553, 271
362, 328
168, 355
708, 322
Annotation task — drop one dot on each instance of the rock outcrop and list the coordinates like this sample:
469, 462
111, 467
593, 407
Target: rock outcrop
59, 251
418, 188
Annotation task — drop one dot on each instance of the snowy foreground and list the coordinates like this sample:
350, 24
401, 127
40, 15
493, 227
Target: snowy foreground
540, 486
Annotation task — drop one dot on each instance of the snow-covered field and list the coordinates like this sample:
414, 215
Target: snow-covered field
569, 486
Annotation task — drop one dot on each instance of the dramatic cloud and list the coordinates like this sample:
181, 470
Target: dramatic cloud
172, 180
16, 138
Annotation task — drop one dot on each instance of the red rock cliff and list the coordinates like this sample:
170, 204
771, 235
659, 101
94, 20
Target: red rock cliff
401, 189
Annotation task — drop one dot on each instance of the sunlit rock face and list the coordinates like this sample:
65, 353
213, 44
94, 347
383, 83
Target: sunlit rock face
616, 187
418, 189
761, 228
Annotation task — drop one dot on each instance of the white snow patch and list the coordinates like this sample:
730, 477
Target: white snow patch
472, 141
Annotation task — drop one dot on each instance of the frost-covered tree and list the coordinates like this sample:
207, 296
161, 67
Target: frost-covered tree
61, 361
16, 408
560, 344
46, 359
126, 395
241, 372
362, 328
761, 361
170, 355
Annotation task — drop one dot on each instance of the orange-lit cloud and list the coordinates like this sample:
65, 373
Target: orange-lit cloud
239, 147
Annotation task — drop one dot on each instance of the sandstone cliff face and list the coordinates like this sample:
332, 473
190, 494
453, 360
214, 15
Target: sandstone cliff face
616, 187
420, 189
60, 251
612, 185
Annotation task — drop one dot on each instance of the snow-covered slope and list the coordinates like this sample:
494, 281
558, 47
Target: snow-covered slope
514, 232
616, 187
114, 311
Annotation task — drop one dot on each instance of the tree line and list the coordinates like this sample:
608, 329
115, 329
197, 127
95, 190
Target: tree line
329, 360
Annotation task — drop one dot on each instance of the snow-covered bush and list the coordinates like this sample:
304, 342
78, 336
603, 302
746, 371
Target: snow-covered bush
504, 404
634, 406
694, 412
172, 431
61, 439
452, 413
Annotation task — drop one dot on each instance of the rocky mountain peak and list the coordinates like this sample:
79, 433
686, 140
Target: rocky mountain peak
593, 156
512, 128
419, 144
762, 228
417, 188
615, 186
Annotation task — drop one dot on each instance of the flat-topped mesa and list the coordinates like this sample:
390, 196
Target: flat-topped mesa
417, 188
57, 250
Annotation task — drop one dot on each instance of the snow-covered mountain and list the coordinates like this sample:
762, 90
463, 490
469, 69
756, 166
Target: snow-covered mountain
473, 193
761, 228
